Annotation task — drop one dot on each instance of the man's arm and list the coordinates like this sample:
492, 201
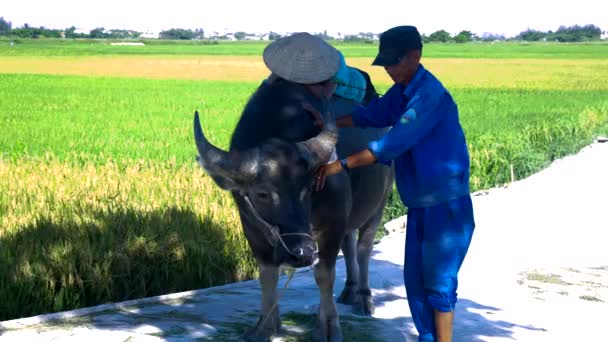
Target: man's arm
420, 118
382, 111
412, 126
345, 121
361, 158
379, 113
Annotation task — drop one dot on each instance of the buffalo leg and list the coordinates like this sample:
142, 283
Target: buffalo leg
269, 322
349, 293
365, 245
328, 321
329, 224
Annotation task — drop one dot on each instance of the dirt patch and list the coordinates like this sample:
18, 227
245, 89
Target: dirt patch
590, 284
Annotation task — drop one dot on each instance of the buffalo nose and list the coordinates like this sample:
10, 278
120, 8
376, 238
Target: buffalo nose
306, 251
305, 255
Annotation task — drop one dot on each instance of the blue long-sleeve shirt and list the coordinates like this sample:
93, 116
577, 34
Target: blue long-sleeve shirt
426, 140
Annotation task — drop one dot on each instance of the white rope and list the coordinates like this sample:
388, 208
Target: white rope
292, 271
274, 231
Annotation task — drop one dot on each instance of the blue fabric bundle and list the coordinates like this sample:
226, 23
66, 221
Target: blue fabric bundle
350, 82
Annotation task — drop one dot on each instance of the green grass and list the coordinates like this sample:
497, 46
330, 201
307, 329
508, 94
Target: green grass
95, 47
151, 120
87, 119
95, 119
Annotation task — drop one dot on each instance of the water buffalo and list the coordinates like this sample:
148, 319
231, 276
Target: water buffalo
269, 169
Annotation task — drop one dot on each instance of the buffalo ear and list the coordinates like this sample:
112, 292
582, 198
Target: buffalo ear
222, 180
229, 170
322, 148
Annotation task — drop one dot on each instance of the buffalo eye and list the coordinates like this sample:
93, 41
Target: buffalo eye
264, 196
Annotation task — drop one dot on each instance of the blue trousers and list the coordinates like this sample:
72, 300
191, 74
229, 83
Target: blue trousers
437, 240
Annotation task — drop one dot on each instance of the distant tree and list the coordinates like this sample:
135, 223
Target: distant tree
240, 35
122, 34
576, 33
531, 35
177, 34
273, 35
464, 37
366, 35
28, 31
23, 32
50, 33
351, 38
5, 27
440, 36
362, 37
323, 35
199, 34
97, 33
71, 33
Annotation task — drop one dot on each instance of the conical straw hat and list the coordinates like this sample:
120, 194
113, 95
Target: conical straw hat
302, 58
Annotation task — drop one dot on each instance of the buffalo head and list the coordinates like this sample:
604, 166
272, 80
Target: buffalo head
274, 181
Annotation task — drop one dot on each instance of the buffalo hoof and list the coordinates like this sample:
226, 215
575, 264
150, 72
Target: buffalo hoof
328, 331
365, 305
264, 329
348, 295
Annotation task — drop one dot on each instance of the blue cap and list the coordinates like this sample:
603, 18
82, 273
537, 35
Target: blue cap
395, 43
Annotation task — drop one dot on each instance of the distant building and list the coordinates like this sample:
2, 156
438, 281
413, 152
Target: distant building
150, 35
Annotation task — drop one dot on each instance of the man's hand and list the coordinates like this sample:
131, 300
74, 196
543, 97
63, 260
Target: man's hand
318, 118
325, 171
361, 158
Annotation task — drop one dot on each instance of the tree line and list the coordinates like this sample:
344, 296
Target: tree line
28, 31
574, 33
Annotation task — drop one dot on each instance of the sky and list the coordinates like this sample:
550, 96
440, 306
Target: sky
347, 17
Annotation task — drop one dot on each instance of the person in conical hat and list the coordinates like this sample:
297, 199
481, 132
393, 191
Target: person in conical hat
305, 59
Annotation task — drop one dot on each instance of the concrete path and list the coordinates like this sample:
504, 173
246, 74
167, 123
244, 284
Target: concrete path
537, 270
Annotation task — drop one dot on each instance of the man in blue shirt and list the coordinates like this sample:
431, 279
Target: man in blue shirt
428, 146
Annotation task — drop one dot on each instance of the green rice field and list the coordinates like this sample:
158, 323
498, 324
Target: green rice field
100, 196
